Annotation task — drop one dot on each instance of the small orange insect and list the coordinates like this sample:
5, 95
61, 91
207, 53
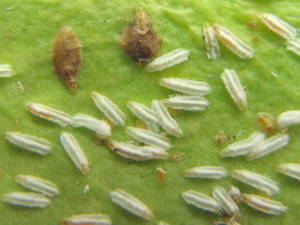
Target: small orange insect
267, 122
67, 57
161, 174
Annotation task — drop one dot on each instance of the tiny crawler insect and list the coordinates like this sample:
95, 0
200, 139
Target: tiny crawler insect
148, 137
170, 59
138, 153
38, 184
293, 45
75, 152
31, 143
235, 88
88, 219
61, 118
220, 137
257, 181
225, 201
207, 172
269, 145
233, 43
201, 201
188, 103
166, 120
278, 26
139, 40
131, 204
26, 199
211, 42
289, 118
266, 122
186, 86
264, 205
290, 169
67, 57
6, 71
110, 110
145, 114
161, 174
243, 147
101, 127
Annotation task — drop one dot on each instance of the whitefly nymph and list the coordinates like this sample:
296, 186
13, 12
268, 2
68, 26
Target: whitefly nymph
186, 86
88, 219
170, 59
128, 202
206, 172
201, 201
233, 43
26, 199
278, 26
74, 151
38, 184
243, 147
187, 103
234, 88
257, 181
31, 143
109, 109
211, 42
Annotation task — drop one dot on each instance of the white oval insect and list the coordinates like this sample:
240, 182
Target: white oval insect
170, 59
48, 113
138, 153
26, 199
264, 205
88, 219
293, 45
257, 181
38, 184
225, 201
131, 204
188, 103
148, 137
234, 88
101, 127
166, 121
109, 109
206, 172
186, 86
201, 201
290, 169
289, 118
233, 43
6, 71
269, 146
243, 147
277, 25
31, 143
211, 42
145, 114
74, 151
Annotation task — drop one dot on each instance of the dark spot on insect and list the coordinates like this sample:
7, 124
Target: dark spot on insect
67, 57
139, 40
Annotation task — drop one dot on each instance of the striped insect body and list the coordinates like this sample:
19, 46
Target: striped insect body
31, 143
206, 172
131, 204
278, 26
234, 88
257, 181
188, 103
186, 86
45, 112
26, 199
38, 184
293, 45
211, 42
233, 43
201, 201
88, 219
101, 127
109, 109
74, 151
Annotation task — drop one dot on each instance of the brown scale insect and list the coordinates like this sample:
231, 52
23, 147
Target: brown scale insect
67, 57
139, 40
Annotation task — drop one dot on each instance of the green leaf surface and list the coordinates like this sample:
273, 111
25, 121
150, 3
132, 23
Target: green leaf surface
271, 79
